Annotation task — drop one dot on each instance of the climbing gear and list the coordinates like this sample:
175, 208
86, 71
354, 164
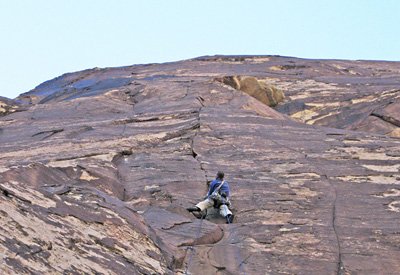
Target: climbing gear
193, 209
219, 198
192, 246
215, 195
229, 218
200, 214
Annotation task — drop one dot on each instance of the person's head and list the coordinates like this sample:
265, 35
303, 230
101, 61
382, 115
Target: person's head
220, 175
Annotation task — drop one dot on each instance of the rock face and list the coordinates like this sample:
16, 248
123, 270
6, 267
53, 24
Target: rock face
97, 168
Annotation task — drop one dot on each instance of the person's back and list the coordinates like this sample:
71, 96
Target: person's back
223, 189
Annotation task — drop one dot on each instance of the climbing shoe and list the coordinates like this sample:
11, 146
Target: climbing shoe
229, 218
193, 209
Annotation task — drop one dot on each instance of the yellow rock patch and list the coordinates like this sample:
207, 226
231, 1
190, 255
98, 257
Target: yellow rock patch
395, 133
362, 153
86, 176
394, 206
383, 168
390, 193
304, 115
31, 195
378, 179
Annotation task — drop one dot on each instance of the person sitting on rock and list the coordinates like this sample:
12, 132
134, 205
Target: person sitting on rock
218, 197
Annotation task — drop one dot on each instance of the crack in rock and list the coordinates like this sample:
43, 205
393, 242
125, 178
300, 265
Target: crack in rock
340, 267
175, 224
49, 132
387, 119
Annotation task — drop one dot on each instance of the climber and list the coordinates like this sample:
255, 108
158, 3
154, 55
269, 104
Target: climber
218, 197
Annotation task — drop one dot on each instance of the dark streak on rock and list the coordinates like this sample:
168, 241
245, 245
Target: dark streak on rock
181, 132
50, 133
387, 119
175, 224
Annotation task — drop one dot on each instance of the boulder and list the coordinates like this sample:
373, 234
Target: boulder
267, 94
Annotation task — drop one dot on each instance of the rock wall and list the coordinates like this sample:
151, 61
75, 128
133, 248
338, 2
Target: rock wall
97, 168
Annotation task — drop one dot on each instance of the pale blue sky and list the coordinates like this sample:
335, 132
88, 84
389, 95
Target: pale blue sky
42, 39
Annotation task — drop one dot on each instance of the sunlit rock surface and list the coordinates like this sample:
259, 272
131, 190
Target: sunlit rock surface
97, 168
7, 106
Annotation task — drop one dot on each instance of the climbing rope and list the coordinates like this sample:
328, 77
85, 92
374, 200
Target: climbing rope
191, 248
340, 261
239, 256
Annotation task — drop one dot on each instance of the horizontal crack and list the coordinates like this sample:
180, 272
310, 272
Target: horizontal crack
8, 193
81, 157
175, 224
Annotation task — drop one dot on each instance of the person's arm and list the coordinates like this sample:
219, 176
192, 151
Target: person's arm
211, 189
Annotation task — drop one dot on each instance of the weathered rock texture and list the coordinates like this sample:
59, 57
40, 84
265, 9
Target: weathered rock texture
97, 167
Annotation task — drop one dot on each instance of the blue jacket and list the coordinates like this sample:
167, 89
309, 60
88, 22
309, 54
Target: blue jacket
215, 183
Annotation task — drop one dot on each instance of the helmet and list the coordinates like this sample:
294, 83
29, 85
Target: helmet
220, 175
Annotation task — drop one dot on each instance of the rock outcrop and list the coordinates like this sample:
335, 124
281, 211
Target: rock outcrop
7, 106
97, 168
267, 94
